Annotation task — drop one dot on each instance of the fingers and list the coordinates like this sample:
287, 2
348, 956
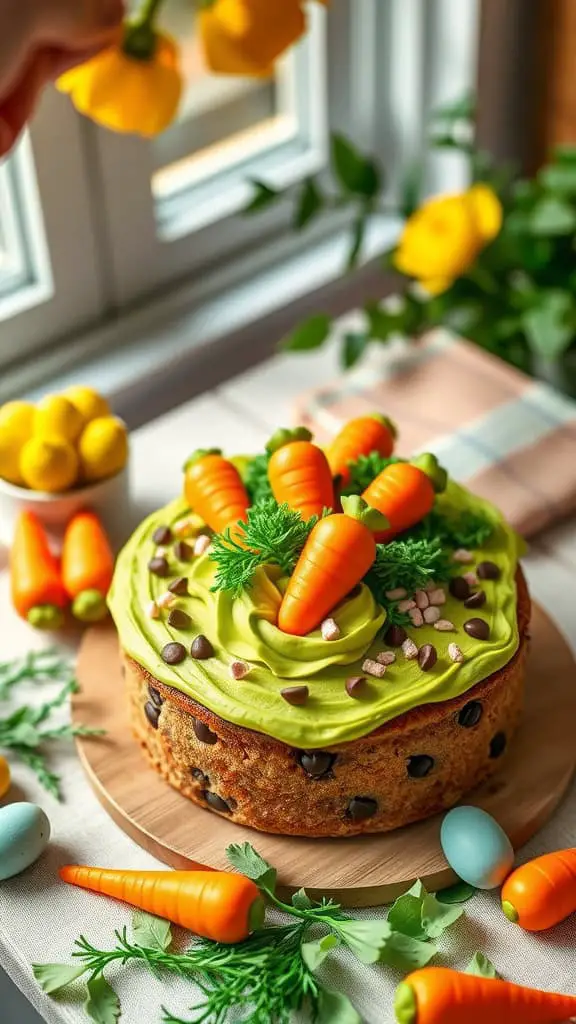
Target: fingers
20, 104
77, 23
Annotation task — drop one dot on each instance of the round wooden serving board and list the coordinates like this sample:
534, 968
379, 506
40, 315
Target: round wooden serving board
362, 871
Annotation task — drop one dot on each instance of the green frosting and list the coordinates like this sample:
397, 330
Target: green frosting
243, 628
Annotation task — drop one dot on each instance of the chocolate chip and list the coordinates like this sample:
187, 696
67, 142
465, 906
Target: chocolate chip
152, 714
498, 745
179, 619
162, 535
173, 653
201, 648
459, 588
427, 657
159, 566
155, 696
475, 600
477, 628
355, 686
470, 714
361, 807
395, 636
203, 733
216, 802
316, 762
488, 571
179, 586
420, 765
183, 552
198, 774
295, 694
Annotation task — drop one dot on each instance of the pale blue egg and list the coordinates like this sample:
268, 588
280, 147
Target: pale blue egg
24, 834
476, 848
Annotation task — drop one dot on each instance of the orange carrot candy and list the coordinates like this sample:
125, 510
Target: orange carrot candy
438, 995
542, 893
360, 436
87, 566
338, 553
299, 473
217, 905
404, 492
38, 594
214, 490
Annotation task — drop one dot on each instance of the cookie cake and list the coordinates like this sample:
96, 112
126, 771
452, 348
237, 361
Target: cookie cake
323, 642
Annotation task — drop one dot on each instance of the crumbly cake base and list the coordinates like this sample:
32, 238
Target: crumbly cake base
418, 764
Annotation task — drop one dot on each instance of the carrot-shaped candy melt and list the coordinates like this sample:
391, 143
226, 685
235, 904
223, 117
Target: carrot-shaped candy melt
214, 490
37, 591
360, 436
217, 905
437, 995
404, 492
299, 473
542, 893
87, 566
338, 553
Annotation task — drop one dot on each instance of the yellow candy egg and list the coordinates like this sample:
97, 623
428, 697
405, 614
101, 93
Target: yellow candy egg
10, 449
17, 419
103, 448
49, 464
56, 416
90, 404
4, 776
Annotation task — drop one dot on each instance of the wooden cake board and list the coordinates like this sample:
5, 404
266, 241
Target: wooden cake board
361, 871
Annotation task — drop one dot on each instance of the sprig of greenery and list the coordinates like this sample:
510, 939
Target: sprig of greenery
256, 479
365, 469
273, 535
36, 667
466, 529
410, 563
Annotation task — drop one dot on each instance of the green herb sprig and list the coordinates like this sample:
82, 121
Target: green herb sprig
466, 529
256, 479
410, 563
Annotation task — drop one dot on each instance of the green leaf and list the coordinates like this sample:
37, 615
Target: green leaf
381, 324
102, 1004
464, 107
245, 859
564, 154
548, 328
358, 232
405, 915
411, 190
437, 917
366, 939
310, 202
552, 216
559, 178
335, 1008
301, 900
53, 977
461, 892
481, 966
263, 196
406, 953
151, 932
315, 952
310, 334
353, 348
356, 173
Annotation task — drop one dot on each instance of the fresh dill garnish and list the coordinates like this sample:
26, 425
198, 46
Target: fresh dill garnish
273, 535
365, 469
256, 479
465, 529
410, 563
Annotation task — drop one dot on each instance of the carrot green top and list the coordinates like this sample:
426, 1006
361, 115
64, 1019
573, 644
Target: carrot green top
243, 628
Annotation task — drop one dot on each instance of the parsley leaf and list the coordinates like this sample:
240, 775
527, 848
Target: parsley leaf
335, 1008
465, 529
151, 932
247, 861
256, 479
53, 977
460, 892
315, 952
482, 967
410, 563
420, 915
102, 1004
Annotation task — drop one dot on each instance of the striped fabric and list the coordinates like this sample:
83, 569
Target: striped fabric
510, 439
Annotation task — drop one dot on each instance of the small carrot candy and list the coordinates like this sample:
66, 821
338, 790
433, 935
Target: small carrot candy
214, 490
38, 594
217, 905
438, 995
542, 893
404, 492
338, 553
360, 436
299, 472
87, 566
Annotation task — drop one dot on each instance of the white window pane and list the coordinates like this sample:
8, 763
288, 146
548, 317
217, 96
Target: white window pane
25, 273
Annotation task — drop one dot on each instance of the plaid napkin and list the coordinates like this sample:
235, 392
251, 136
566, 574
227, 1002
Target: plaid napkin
510, 439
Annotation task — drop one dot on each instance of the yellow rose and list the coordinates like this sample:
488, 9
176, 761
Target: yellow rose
443, 238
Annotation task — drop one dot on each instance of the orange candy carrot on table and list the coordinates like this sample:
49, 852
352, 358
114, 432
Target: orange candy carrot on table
214, 490
404, 492
87, 566
338, 553
38, 594
437, 995
542, 893
299, 473
360, 436
217, 905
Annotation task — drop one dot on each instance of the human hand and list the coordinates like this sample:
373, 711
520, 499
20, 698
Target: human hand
39, 40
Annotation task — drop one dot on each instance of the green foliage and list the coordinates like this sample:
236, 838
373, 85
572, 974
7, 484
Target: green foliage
102, 1004
481, 966
248, 861
410, 563
312, 333
365, 469
309, 203
465, 529
550, 323
356, 173
256, 479
151, 932
353, 348
263, 197
460, 892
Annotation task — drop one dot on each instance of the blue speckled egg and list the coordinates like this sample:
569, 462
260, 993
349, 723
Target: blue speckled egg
24, 834
476, 848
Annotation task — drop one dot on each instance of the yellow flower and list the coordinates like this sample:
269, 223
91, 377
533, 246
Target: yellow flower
128, 93
441, 241
246, 37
